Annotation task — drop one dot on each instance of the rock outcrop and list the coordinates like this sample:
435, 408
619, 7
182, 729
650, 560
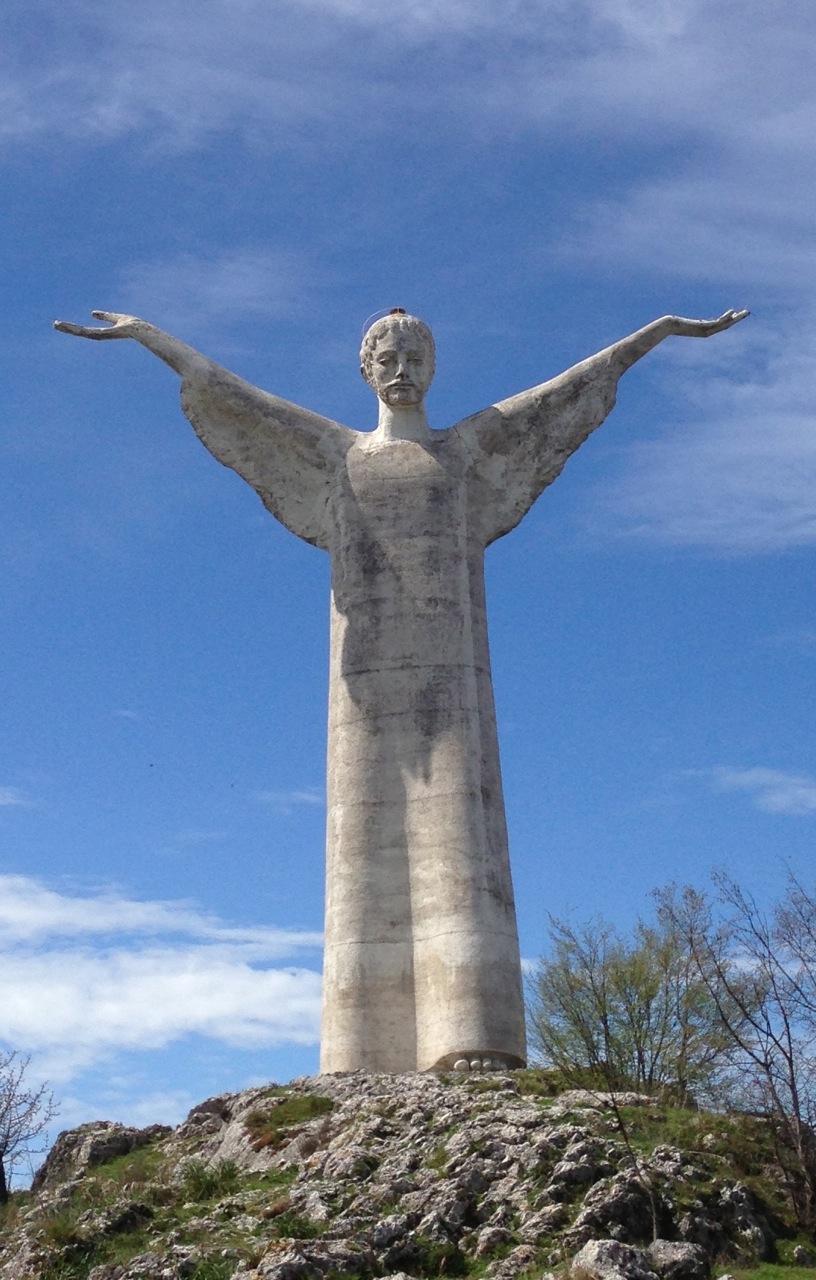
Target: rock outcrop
359, 1176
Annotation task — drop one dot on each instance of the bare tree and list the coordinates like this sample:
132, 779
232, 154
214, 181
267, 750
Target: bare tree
25, 1114
760, 968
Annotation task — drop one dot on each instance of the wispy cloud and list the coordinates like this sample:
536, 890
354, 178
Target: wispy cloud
554, 64
740, 474
286, 801
128, 1104
90, 975
30, 910
74, 1006
10, 796
803, 641
771, 790
190, 291
751, 221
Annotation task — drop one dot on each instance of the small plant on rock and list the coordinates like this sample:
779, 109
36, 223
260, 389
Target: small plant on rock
205, 1182
271, 1128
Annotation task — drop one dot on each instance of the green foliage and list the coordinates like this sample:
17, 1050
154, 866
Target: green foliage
438, 1157
76, 1266
540, 1082
785, 1248
214, 1269
290, 1224
734, 1146
773, 1271
205, 1182
270, 1127
135, 1167
610, 1013
437, 1259
60, 1228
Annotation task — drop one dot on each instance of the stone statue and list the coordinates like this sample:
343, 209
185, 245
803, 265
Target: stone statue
421, 960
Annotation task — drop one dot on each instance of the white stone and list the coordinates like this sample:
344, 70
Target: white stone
421, 963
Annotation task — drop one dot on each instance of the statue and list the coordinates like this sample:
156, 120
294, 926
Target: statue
421, 956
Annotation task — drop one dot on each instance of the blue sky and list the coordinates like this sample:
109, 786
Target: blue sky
535, 180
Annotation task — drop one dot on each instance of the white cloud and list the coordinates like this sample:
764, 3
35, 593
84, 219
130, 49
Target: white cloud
128, 1106
29, 911
73, 1005
11, 796
711, 109
286, 801
804, 641
89, 976
189, 291
739, 475
748, 219
772, 790
634, 66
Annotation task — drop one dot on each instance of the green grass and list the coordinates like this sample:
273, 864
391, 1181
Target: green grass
270, 1127
440, 1259
438, 1158
214, 1269
733, 1146
290, 1224
205, 1182
773, 1271
544, 1082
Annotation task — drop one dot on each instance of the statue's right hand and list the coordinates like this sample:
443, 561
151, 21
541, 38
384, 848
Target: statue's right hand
119, 326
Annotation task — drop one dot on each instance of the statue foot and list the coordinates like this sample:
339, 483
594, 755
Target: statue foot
478, 1060
477, 1064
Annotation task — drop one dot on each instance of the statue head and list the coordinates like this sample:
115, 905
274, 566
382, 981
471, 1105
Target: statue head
398, 359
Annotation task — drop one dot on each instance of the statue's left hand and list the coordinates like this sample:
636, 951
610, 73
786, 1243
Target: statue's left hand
119, 326
705, 328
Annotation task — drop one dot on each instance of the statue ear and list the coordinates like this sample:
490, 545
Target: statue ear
363, 372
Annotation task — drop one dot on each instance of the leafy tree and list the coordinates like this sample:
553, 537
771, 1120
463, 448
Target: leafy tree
628, 1014
25, 1114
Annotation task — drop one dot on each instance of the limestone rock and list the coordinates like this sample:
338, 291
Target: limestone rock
746, 1223
611, 1260
76, 1150
676, 1260
619, 1207
414, 1174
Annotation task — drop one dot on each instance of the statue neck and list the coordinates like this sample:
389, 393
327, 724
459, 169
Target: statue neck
409, 423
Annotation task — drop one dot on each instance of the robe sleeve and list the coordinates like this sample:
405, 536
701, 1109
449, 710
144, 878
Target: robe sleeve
519, 446
288, 455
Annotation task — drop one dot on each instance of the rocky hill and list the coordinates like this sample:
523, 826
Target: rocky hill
413, 1176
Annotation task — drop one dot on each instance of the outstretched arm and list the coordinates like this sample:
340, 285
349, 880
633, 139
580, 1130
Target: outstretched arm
288, 454
521, 444
622, 355
183, 359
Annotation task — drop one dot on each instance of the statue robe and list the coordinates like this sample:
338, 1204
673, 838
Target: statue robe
421, 950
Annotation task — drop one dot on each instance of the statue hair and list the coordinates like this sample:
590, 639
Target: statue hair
395, 320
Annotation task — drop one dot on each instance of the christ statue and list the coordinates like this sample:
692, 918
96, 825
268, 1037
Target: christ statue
421, 965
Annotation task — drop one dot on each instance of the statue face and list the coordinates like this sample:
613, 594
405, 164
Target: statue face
400, 369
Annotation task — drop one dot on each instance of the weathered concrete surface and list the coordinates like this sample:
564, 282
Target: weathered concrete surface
422, 961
